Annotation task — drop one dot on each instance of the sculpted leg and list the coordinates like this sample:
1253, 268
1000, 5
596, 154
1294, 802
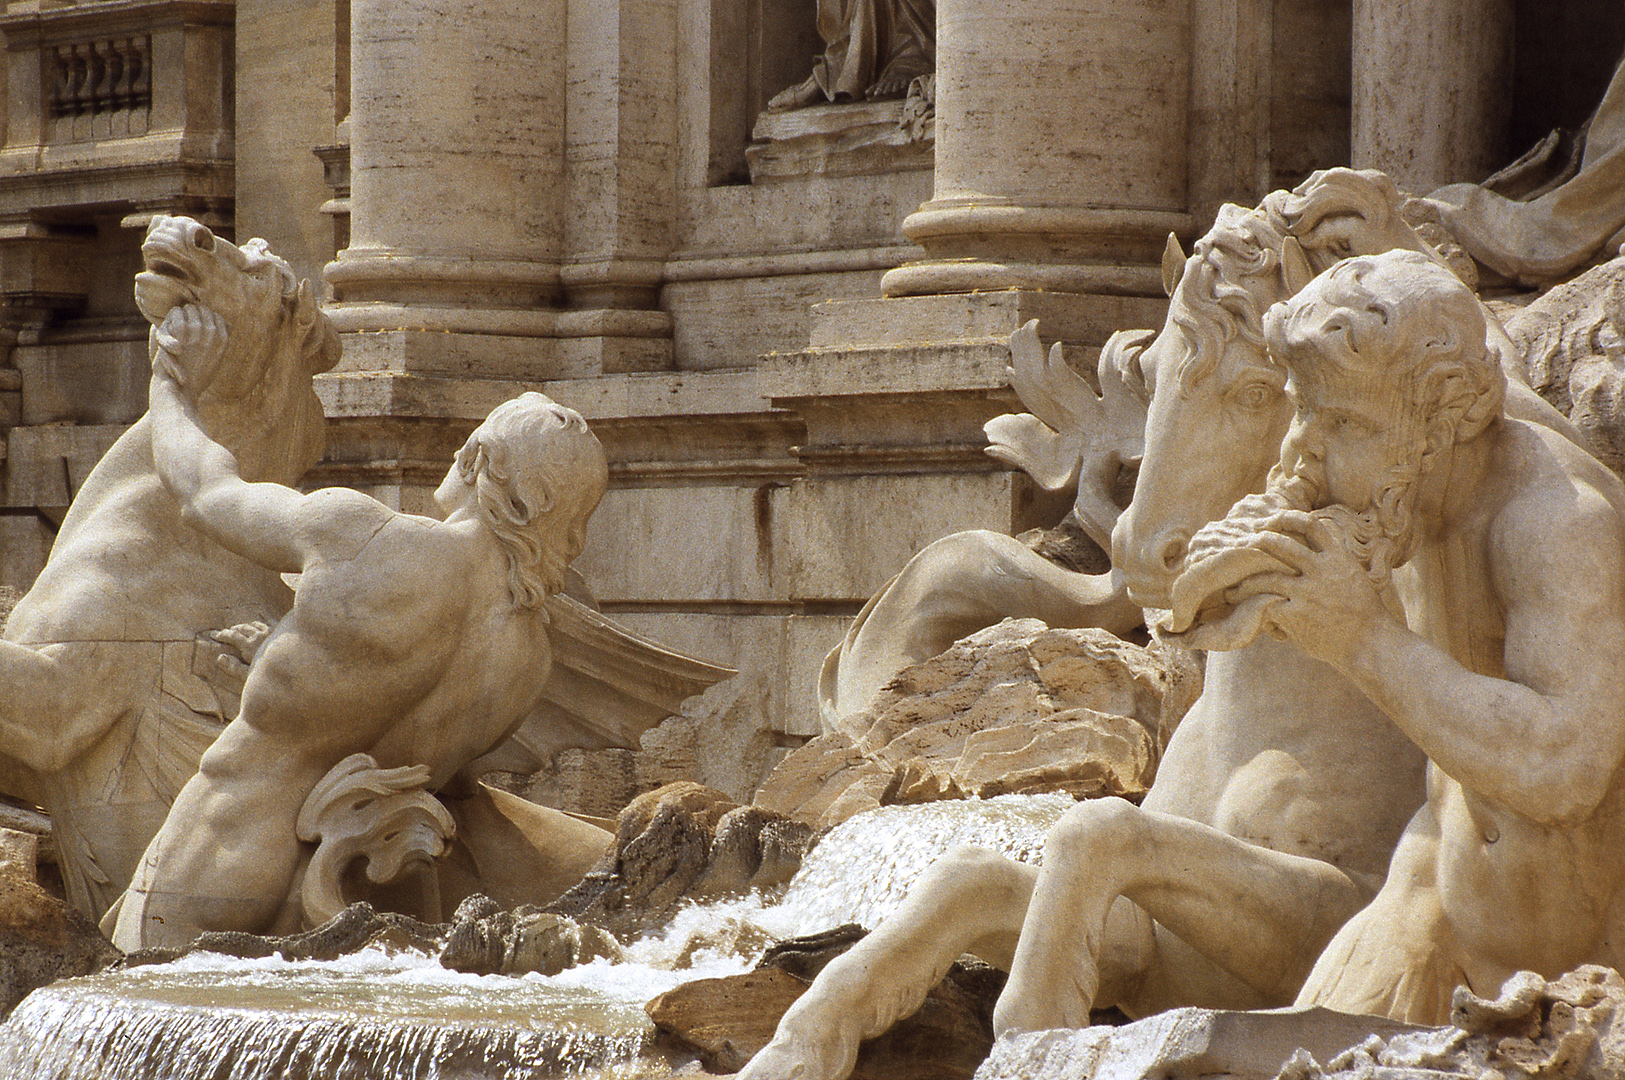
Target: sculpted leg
954, 587
226, 855
1259, 914
969, 901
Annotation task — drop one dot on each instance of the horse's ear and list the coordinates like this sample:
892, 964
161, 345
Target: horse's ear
1295, 268
1173, 265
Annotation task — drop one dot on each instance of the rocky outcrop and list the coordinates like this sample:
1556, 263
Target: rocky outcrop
1567, 1029
682, 841
1017, 707
43, 940
1571, 1028
357, 927
1573, 344
726, 1021
486, 939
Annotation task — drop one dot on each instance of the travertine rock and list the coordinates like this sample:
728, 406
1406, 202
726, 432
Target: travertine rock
1573, 341
681, 841
1568, 1029
357, 927
1017, 707
727, 1020
42, 939
1182, 1044
487, 940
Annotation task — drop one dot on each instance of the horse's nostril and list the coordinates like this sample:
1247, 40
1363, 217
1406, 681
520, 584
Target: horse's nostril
1171, 551
202, 238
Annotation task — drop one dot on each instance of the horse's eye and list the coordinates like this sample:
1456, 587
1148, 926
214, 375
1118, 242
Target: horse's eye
1256, 396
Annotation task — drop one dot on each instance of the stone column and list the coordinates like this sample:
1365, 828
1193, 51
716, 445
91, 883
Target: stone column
1061, 147
1432, 88
457, 166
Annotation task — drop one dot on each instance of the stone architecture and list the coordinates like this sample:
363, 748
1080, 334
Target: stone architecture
791, 330
569, 212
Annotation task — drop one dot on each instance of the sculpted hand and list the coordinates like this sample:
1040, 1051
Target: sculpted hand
191, 340
245, 640
1330, 603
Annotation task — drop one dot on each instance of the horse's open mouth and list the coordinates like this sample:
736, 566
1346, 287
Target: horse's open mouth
157, 263
162, 286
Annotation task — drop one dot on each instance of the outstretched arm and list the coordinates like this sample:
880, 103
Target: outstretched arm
270, 524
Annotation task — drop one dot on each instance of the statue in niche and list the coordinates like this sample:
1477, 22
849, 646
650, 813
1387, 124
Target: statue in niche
873, 50
1505, 544
119, 666
417, 641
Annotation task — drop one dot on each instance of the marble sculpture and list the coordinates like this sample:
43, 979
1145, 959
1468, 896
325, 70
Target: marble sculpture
414, 640
1285, 788
128, 658
873, 49
115, 680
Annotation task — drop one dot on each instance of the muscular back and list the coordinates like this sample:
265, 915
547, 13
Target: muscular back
408, 648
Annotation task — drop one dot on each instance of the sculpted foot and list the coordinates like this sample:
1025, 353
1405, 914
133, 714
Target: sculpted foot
1061, 1003
792, 1057
804, 93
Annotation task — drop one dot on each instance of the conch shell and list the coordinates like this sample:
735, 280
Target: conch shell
1220, 557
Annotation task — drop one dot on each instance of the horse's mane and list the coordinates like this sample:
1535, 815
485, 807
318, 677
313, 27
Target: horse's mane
1236, 271
1231, 279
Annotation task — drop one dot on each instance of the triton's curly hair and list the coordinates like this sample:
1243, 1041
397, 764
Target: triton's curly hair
538, 473
1409, 318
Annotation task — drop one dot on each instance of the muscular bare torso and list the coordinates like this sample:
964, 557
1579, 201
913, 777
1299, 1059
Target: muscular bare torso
410, 650
1520, 892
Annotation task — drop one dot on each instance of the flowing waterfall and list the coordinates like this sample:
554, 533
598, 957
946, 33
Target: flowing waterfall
365, 1017
861, 869
372, 1016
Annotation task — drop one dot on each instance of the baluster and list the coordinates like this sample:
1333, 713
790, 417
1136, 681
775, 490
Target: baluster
74, 65
60, 76
140, 63
106, 100
84, 56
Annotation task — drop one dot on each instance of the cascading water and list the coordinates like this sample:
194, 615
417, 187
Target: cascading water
372, 1016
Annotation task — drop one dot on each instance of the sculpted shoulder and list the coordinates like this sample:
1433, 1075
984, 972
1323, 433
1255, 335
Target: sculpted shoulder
1553, 495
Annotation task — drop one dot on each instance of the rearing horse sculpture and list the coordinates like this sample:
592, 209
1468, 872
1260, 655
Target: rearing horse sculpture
1280, 796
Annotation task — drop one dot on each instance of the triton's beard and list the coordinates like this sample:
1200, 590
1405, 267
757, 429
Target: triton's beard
1383, 533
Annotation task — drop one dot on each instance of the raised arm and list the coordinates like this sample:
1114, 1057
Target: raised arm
270, 524
1540, 728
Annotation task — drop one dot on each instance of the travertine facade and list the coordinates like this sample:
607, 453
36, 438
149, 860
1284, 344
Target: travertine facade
789, 376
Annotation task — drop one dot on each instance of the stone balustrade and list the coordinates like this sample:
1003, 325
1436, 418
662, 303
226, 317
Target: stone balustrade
100, 88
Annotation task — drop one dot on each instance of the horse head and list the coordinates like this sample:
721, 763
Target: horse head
1218, 408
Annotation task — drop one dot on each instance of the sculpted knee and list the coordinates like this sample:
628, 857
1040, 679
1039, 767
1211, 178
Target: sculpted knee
1092, 830
975, 872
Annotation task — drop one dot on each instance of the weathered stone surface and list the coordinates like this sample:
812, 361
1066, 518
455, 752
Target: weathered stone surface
728, 1020
1573, 342
42, 940
356, 927
487, 940
683, 840
1568, 1029
1017, 707
1182, 1044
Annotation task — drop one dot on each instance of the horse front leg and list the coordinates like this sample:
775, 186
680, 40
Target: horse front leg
969, 900
1259, 915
